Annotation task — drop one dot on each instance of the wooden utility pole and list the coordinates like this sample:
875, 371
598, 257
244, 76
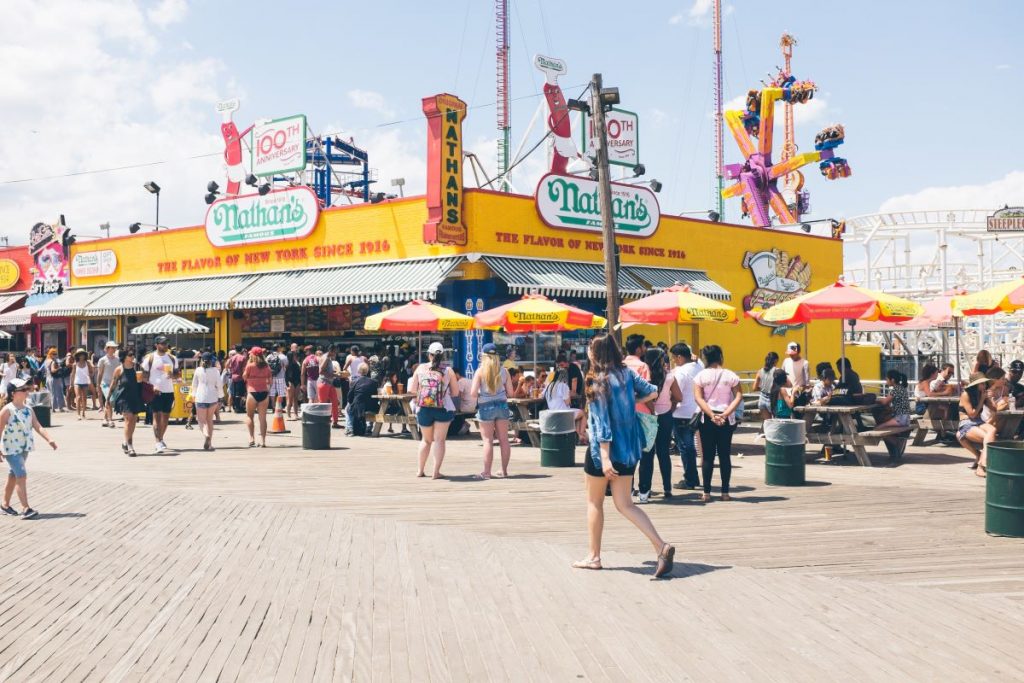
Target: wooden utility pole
611, 250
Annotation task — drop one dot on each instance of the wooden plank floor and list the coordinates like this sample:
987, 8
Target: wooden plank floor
283, 564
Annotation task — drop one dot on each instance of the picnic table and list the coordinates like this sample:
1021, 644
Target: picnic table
523, 420
936, 417
1008, 422
848, 436
405, 416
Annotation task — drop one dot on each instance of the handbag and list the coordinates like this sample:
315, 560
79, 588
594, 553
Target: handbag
146, 391
649, 425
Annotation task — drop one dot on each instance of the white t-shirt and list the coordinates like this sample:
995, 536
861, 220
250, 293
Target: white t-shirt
797, 371
557, 395
684, 375
467, 403
161, 371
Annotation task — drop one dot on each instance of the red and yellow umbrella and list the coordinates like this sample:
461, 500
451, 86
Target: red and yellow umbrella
419, 316
677, 304
537, 313
1005, 297
840, 301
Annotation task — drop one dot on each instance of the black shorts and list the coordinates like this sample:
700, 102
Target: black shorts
593, 470
162, 402
259, 396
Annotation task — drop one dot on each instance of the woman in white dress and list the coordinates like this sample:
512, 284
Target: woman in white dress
8, 372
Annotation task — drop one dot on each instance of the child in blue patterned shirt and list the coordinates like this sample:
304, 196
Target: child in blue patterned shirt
17, 420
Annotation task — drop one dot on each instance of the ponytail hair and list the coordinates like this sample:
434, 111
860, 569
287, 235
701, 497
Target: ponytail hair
770, 360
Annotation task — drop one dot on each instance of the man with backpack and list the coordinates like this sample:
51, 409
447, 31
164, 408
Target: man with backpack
236, 366
278, 363
159, 368
310, 373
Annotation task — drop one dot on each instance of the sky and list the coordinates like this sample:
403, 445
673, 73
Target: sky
929, 93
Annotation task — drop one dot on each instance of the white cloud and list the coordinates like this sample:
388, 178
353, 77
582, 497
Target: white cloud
1007, 190
700, 9
86, 86
370, 100
676, 18
813, 112
167, 12
659, 116
1002, 67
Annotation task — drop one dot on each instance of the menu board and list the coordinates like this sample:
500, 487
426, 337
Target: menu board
304, 320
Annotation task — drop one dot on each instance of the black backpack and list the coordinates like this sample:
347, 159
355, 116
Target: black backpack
274, 361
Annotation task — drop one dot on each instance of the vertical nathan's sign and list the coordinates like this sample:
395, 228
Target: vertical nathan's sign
444, 170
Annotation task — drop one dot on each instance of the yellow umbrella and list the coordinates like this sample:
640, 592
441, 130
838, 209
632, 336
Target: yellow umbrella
1002, 298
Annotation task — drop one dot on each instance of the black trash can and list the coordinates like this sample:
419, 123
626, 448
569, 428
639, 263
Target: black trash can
41, 402
316, 426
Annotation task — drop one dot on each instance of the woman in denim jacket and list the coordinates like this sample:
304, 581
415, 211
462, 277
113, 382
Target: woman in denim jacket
616, 440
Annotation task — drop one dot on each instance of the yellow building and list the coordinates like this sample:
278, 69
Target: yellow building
319, 287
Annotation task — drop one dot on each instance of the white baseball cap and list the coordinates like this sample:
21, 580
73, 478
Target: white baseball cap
110, 342
435, 348
793, 346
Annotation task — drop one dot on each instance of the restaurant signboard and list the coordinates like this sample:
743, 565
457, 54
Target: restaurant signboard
288, 213
1007, 219
445, 224
94, 263
10, 273
572, 202
279, 146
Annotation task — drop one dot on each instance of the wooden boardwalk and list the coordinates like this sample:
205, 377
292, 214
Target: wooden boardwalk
280, 564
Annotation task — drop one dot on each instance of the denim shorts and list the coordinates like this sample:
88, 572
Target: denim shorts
426, 417
205, 405
492, 410
16, 462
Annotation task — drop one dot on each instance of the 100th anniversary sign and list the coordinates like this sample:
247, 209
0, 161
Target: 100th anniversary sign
290, 213
571, 202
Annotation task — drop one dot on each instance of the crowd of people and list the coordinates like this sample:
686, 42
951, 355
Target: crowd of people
632, 406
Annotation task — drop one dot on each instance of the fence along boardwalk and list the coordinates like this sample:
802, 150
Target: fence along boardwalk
202, 568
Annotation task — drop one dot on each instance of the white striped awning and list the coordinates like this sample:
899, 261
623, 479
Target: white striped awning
12, 299
170, 324
169, 296
355, 284
19, 316
559, 278
70, 302
659, 279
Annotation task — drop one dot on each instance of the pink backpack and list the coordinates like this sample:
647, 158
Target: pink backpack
431, 389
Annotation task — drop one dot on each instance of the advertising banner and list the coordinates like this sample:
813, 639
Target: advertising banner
571, 202
10, 273
1007, 219
278, 146
623, 137
289, 213
94, 263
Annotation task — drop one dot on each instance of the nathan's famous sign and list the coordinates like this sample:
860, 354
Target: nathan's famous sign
572, 202
445, 223
289, 213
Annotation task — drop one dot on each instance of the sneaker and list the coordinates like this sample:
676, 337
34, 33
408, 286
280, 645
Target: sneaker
29, 514
9, 511
643, 498
160, 447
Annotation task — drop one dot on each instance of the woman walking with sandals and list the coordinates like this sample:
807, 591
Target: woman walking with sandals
434, 386
492, 387
257, 376
126, 395
205, 393
616, 441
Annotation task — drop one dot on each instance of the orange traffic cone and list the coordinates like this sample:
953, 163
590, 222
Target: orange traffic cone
277, 424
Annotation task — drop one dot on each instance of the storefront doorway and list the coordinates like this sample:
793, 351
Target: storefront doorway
56, 335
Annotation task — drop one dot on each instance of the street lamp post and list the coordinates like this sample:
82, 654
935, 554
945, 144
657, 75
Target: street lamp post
155, 189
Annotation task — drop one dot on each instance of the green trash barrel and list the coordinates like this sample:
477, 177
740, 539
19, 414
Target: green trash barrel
1004, 489
558, 450
784, 463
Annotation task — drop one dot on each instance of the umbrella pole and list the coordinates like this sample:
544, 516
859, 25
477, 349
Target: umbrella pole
842, 349
956, 337
536, 373
419, 346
